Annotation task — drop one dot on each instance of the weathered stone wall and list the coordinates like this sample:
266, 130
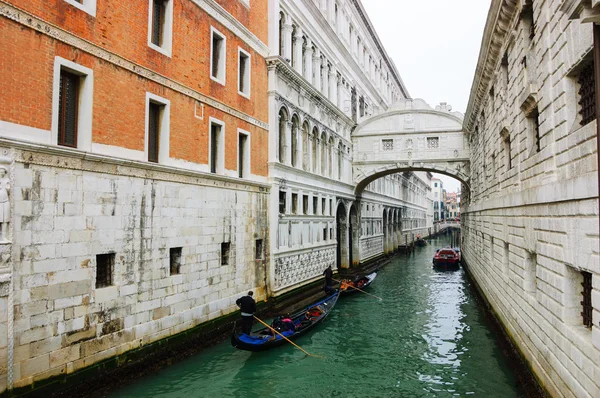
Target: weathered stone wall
530, 226
64, 216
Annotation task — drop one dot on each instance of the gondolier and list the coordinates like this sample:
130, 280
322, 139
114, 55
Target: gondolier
328, 280
248, 307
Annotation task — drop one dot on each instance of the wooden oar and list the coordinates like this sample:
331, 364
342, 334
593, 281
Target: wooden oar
288, 340
360, 290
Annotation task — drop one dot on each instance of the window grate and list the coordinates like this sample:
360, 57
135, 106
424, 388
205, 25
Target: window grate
104, 269
68, 109
174, 260
587, 94
587, 299
225, 251
387, 145
433, 142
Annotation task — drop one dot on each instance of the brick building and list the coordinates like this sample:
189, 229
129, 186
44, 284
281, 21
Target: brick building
134, 139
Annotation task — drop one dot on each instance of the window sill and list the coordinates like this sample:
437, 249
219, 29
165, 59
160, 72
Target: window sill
244, 94
164, 51
220, 81
89, 7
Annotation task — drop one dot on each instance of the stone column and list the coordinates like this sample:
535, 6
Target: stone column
316, 80
308, 71
298, 50
287, 41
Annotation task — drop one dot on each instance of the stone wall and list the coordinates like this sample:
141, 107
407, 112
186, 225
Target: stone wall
69, 210
530, 226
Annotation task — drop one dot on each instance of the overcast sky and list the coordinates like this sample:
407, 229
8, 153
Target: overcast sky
435, 46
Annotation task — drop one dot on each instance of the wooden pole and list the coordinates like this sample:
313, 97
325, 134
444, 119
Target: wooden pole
288, 340
362, 291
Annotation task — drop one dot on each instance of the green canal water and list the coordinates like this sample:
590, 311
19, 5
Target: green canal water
427, 338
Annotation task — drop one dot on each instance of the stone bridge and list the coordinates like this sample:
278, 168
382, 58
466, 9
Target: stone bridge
411, 136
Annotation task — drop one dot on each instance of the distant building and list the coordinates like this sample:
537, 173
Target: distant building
452, 205
437, 188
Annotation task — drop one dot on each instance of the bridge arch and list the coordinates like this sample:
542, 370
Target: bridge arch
412, 136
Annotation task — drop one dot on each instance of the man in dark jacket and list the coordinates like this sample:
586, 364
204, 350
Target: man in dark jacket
328, 280
248, 307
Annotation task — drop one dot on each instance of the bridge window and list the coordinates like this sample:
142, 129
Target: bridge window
387, 145
409, 143
587, 94
433, 142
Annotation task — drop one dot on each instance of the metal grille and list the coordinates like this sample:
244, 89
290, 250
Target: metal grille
433, 142
174, 260
68, 109
587, 299
587, 94
104, 269
153, 131
387, 145
157, 21
225, 250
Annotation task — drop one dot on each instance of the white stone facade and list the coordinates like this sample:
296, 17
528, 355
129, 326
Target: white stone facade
530, 219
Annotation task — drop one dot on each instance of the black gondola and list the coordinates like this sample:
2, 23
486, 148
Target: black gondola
361, 283
264, 339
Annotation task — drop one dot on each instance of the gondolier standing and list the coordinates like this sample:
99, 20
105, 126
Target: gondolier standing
328, 280
248, 307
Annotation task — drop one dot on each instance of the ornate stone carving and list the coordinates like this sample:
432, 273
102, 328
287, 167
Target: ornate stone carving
296, 268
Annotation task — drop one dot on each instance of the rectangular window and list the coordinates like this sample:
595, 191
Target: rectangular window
160, 25
174, 260
104, 269
587, 94
216, 147
68, 108
586, 301
305, 204
533, 120
217, 56
154, 116
282, 202
315, 205
507, 151
243, 73
324, 234
294, 203
433, 142
387, 145
258, 249
323, 206
243, 155
225, 252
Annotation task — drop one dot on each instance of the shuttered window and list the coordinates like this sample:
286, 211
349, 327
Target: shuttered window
154, 111
68, 108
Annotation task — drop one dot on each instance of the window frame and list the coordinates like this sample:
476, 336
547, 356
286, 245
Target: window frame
246, 159
84, 107
88, 6
220, 161
248, 72
111, 257
167, 35
164, 129
223, 57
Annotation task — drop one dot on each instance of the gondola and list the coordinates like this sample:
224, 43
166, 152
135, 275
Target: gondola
361, 283
264, 339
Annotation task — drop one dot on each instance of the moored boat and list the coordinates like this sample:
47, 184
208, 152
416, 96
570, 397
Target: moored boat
348, 286
264, 338
446, 257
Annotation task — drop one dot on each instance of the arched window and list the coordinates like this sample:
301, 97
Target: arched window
315, 150
330, 148
305, 148
323, 154
295, 133
340, 161
283, 119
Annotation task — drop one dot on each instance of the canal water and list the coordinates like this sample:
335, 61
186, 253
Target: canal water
427, 338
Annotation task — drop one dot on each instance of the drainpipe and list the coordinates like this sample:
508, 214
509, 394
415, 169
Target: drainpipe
597, 82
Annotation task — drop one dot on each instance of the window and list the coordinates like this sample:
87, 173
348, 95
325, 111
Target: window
68, 109
157, 128
88, 6
225, 252
507, 151
243, 73
104, 269
433, 142
530, 282
323, 206
387, 145
587, 299
174, 260
160, 25
216, 146
72, 98
315, 205
243, 155
217, 56
258, 249
435, 185
587, 94
324, 234
533, 120
305, 204
294, 203
282, 202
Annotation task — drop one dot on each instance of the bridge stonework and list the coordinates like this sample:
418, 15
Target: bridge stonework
411, 136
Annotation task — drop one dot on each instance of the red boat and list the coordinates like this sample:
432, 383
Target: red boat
446, 257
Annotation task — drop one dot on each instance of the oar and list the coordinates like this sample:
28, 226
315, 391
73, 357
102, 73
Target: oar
360, 290
288, 340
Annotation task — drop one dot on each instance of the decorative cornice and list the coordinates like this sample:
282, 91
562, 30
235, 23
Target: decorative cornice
29, 20
221, 15
497, 28
285, 70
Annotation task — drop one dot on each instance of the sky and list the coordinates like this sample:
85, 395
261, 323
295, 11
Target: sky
435, 46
